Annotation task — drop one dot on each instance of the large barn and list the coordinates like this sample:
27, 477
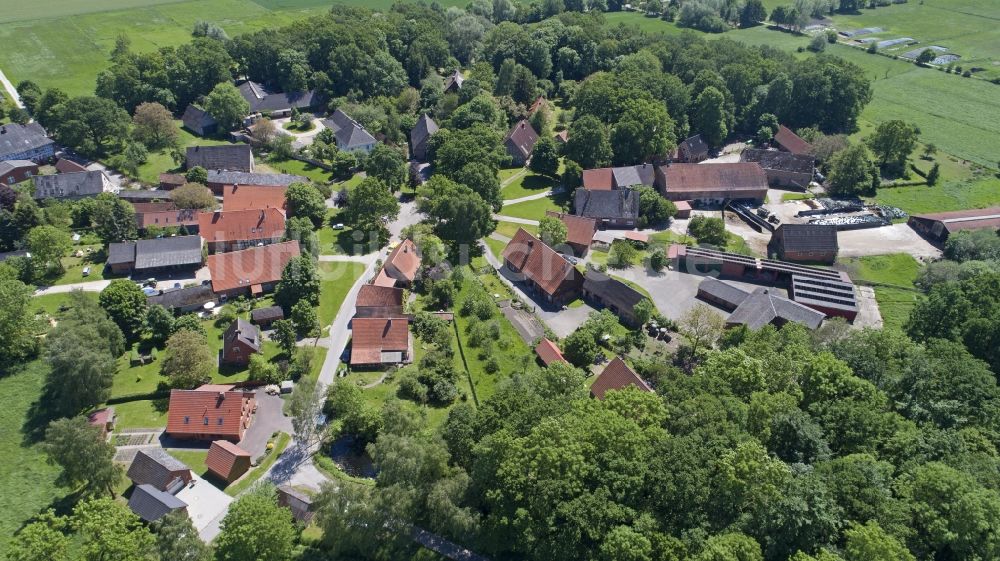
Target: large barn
937, 227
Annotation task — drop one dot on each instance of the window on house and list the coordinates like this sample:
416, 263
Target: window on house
220, 421
187, 420
206, 421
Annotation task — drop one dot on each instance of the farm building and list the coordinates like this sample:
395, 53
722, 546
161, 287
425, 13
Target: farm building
579, 231
548, 275
239, 229
788, 141
824, 290
16, 171
610, 209
631, 176
804, 243
218, 179
299, 503
174, 253
255, 271
198, 121
207, 414
64, 165
227, 461
937, 227
712, 183
520, 142
453, 82
143, 195
232, 157
617, 376
548, 352
240, 340
73, 185
783, 169
380, 342
171, 181
758, 308
247, 197
25, 142
420, 135
378, 302
165, 215
273, 104
349, 134
602, 291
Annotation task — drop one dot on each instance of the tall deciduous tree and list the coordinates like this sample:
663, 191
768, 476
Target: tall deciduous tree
193, 195
460, 215
371, 207
177, 538
108, 530
588, 143
91, 125
545, 157
299, 282
189, 361
708, 116
388, 165
114, 219
852, 171
305, 200
44, 539
153, 125
256, 528
644, 132
552, 231
48, 245
892, 142
86, 459
17, 325
227, 106
83, 369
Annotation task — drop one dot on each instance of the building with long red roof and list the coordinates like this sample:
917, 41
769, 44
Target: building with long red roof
255, 271
205, 414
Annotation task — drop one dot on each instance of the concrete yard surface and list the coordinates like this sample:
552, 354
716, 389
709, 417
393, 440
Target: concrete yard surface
895, 238
207, 506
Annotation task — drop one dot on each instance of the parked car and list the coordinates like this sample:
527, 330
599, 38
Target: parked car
86, 271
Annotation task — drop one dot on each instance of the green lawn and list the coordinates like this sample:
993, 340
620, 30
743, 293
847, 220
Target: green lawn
529, 184
305, 169
142, 414
336, 279
194, 459
162, 161
510, 228
893, 277
495, 246
954, 194
531, 210
28, 481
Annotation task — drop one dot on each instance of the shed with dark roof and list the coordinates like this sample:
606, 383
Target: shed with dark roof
240, 340
182, 300
264, 317
271, 103
617, 376
692, 150
765, 306
783, 169
805, 243
121, 257
296, 501
218, 179
603, 291
157, 468
151, 504
227, 461
198, 121
631, 176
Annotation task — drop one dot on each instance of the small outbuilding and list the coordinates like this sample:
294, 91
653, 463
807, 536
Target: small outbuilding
150, 504
520, 142
264, 317
296, 501
227, 461
605, 292
548, 352
158, 469
616, 376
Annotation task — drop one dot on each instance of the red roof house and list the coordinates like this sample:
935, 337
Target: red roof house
791, 142
598, 179
616, 376
547, 273
379, 341
379, 301
239, 229
548, 352
227, 461
255, 270
580, 231
246, 197
401, 266
712, 182
209, 415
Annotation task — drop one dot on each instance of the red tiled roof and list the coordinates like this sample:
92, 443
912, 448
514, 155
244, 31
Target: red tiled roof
537, 261
695, 178
600, 179
549, 352
197, 413
405, 259
240, 225
791, 141
222, 457
244, 197
371, 336
68, 166
579, 229
637, 236
166, 217
254, 266
378, 296
384, 280
617, 375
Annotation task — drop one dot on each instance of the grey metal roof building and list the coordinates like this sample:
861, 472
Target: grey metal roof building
233, 157
231, 177
25, 142
198, 121
765, 306
268, 315
619, 205
349, 133
421, 132
262, 100
151, 504
72, 185
629, 176
121, 253
613, 294
144, 195
176, 251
